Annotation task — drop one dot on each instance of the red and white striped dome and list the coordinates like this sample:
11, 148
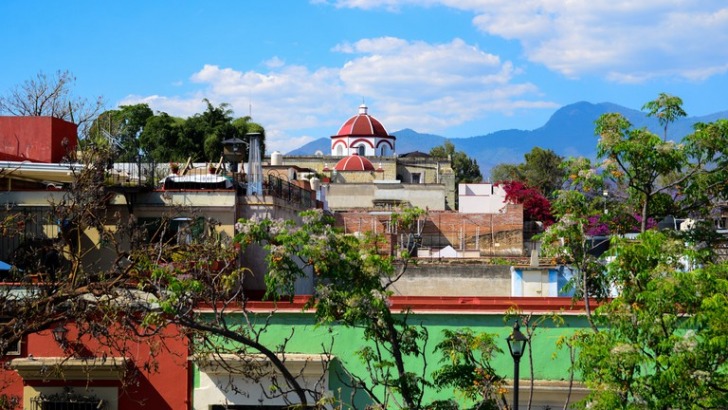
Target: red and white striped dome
362, 125
364, 135
354, 163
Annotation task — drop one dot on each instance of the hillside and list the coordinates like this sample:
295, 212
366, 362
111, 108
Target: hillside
569, 132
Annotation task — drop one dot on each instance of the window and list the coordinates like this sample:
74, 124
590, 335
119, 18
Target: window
66, 400
339, 150
361, 149
180, 230
416, 178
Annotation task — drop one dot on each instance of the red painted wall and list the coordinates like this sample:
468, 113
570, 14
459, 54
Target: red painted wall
163, 380
37, 139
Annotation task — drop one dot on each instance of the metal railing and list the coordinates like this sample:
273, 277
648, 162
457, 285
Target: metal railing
280, 188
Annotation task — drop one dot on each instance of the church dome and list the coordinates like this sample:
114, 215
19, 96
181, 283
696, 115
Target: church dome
362, 124
354, 163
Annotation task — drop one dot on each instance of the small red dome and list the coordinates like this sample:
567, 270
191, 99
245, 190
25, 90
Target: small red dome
354, 163
362, 124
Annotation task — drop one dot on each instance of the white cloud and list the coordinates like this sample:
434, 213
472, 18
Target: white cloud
427, 87
177, 106
430, 87
622, 40
275, 62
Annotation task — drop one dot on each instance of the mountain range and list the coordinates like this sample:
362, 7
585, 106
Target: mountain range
568, 132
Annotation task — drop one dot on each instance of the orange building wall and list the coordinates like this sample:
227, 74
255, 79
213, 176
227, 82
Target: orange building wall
37, 139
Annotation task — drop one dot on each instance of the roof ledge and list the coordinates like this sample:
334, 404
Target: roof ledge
61, 368
296, 363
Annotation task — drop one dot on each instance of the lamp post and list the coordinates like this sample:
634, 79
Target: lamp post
59, 335
517, 346
233, 151
605, 194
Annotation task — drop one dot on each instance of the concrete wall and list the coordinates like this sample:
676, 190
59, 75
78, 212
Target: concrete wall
365, 195
454, 278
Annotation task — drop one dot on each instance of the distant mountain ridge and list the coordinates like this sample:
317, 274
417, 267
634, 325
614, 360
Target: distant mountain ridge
569, 132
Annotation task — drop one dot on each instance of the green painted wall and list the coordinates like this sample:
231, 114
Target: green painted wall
550, 362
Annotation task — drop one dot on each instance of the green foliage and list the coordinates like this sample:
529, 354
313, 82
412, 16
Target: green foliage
659, 178
637, 157
568, 240
661, 342
466, 169
692, 172
466, 367
161, 139
664, 338
667, 108
136, 130
351, 280
121, 128
541, 169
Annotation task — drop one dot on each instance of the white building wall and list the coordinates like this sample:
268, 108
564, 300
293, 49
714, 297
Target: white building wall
480, 198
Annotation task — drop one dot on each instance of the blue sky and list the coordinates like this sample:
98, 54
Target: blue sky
456, 68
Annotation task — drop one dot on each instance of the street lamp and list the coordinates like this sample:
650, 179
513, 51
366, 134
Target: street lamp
59, 335
233, 151
517, 345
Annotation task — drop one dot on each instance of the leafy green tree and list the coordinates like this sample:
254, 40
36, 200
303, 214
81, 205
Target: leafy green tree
663, 339
639, 157
660, 333
466, 169
667, 108
568, 240
160, 139
505, 172
541, 169
466, 368
121, 129
693, 172
136, 130
352, 289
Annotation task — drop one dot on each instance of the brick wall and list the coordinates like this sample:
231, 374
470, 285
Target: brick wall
491, 234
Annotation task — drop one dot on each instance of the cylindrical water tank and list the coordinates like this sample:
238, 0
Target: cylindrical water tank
315, 183
276, 158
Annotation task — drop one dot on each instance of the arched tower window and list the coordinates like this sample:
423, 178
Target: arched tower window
361, 150
339, 150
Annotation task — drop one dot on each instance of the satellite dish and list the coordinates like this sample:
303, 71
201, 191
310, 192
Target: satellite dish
318, 153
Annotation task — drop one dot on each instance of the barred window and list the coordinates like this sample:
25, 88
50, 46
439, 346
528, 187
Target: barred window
67, 400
